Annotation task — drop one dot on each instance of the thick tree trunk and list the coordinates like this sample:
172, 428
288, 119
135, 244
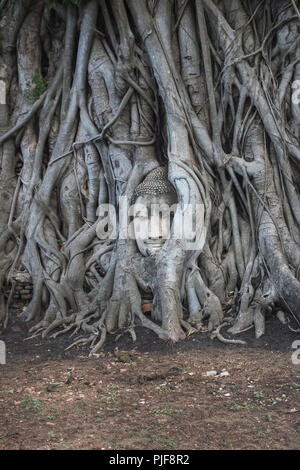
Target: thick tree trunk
96, 95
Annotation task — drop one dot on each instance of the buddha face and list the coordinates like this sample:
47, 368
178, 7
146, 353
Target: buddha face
152, 221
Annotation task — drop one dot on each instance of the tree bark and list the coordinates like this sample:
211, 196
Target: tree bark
98, 94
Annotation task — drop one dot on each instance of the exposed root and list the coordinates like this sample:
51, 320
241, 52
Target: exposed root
226, 340
81, 341
217, 109
35, 335
58, 333
100, 342
132, 334
294, 330
188, 327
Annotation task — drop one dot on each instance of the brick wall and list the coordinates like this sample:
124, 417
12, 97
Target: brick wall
22, 292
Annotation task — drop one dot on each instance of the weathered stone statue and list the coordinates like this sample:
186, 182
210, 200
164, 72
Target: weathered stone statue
156, 202
154, 198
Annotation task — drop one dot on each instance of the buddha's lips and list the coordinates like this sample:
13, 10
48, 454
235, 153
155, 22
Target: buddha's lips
154, 245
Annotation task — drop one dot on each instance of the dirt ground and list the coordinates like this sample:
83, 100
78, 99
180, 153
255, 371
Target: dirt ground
149, 394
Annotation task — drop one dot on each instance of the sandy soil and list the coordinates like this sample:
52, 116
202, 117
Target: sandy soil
150, 394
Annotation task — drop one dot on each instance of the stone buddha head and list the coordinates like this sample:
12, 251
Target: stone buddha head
155, 202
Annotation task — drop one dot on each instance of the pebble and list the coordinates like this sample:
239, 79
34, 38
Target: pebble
211, 373
223, 374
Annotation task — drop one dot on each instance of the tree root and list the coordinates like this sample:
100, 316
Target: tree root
115, 109
226, 340
81, 341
